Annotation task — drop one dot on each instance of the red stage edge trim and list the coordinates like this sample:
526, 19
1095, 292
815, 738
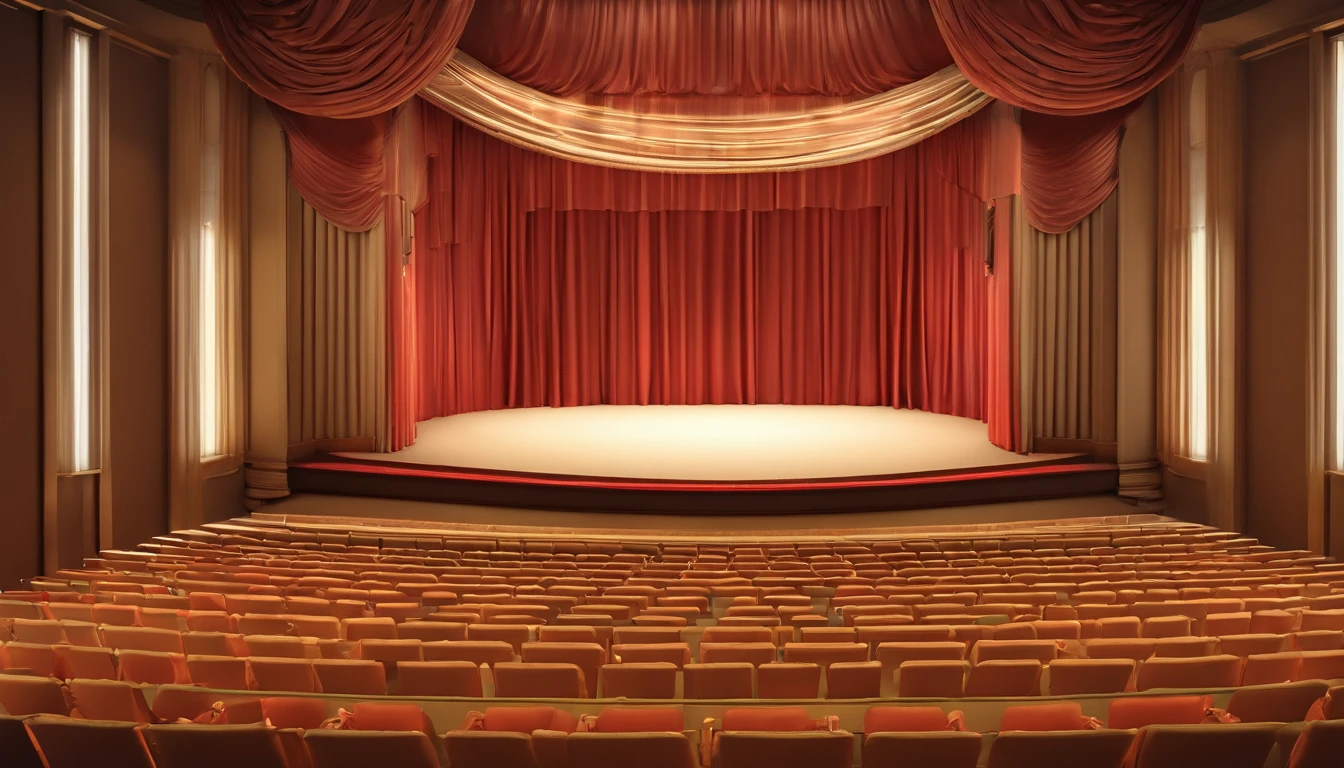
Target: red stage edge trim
563, 481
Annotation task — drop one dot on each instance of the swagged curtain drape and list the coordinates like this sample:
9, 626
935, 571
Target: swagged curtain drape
1066, 58
546, 282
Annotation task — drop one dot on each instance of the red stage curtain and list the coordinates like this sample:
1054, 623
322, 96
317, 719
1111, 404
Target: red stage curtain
1070, 165
541, 282
1067, 57
336, 58
733, 47
338, 166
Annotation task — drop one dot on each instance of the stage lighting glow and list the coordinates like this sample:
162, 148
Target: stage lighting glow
81, 266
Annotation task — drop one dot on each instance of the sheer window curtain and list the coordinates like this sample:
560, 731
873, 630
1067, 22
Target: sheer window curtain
208, 204
1200, 117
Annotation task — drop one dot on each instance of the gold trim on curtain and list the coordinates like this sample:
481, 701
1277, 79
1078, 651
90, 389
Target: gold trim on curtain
775, 141
337, 338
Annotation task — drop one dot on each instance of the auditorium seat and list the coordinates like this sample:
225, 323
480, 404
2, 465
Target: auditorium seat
537, 680
108, 700
439, 678
1073, 677
815, 749
1060, 749
1276, 703
1319, 745
854, 680
1143, 711
655, 680
1197, 672
788, 680
1058, 716
1229, 745
617, 750
914, 737
217, 746
1005, 677
72, 743
734, 680
22, 695
351, 676
933, 679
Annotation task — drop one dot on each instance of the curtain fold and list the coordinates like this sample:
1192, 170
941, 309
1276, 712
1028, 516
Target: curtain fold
184, 216
739, 47
1224, 227
1071, 280
232, 277
337, 329
1070, 165
719, 142
336, 58
540, 282
1067, 57
1173, 253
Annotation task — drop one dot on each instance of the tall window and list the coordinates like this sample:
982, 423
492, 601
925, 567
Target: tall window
79, 226
1199, 270
208, 267
1337, 245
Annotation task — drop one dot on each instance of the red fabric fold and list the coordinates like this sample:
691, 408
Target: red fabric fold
1067, 57
336, 58
1070, 165
730, 47
338, 166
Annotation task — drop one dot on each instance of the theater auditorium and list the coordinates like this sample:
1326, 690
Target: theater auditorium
672, 383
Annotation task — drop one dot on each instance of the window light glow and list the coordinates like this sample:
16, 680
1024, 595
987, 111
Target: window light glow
81, 362
1199, 272
1337, 254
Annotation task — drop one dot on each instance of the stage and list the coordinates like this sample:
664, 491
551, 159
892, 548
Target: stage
746, 459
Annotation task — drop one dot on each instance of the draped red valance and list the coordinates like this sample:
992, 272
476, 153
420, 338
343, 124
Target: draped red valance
338, 165
741, 47
1067, 57
336, 58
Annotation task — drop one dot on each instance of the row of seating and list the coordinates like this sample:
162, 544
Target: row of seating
296, 733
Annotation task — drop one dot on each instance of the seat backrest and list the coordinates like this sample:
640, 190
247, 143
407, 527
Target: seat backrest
539, 681
945, 749
521, 720
439, 678
1005, 677
153, 668
1056, 716
718, 681
766, 719
16, 744
1198, 672
376, 716
22, 695
72, 743
639, 720
1071, 677
615, 750
1228, 745
1143, 711
215, 746
657, 680
219, 672
815, 749
490, 749
1060, 749
933, 679
854, 680
1276, 703
898, 719
787, 681
357, 749
1319, 746
108, 700
288, 675
351, 676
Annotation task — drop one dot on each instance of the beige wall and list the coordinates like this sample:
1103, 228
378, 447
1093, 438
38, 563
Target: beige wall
1277, 265
137, 460
20, 289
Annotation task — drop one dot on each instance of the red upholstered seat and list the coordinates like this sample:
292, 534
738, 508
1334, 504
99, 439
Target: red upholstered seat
907, 719
766, 719
1142, 711
1058, 716
638, 720
521, 720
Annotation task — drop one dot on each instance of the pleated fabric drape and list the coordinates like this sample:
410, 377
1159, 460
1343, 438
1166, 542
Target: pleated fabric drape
1068, 291
1224, 229
231, 252
337, 304
208, 161
1173, 281
541, 282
